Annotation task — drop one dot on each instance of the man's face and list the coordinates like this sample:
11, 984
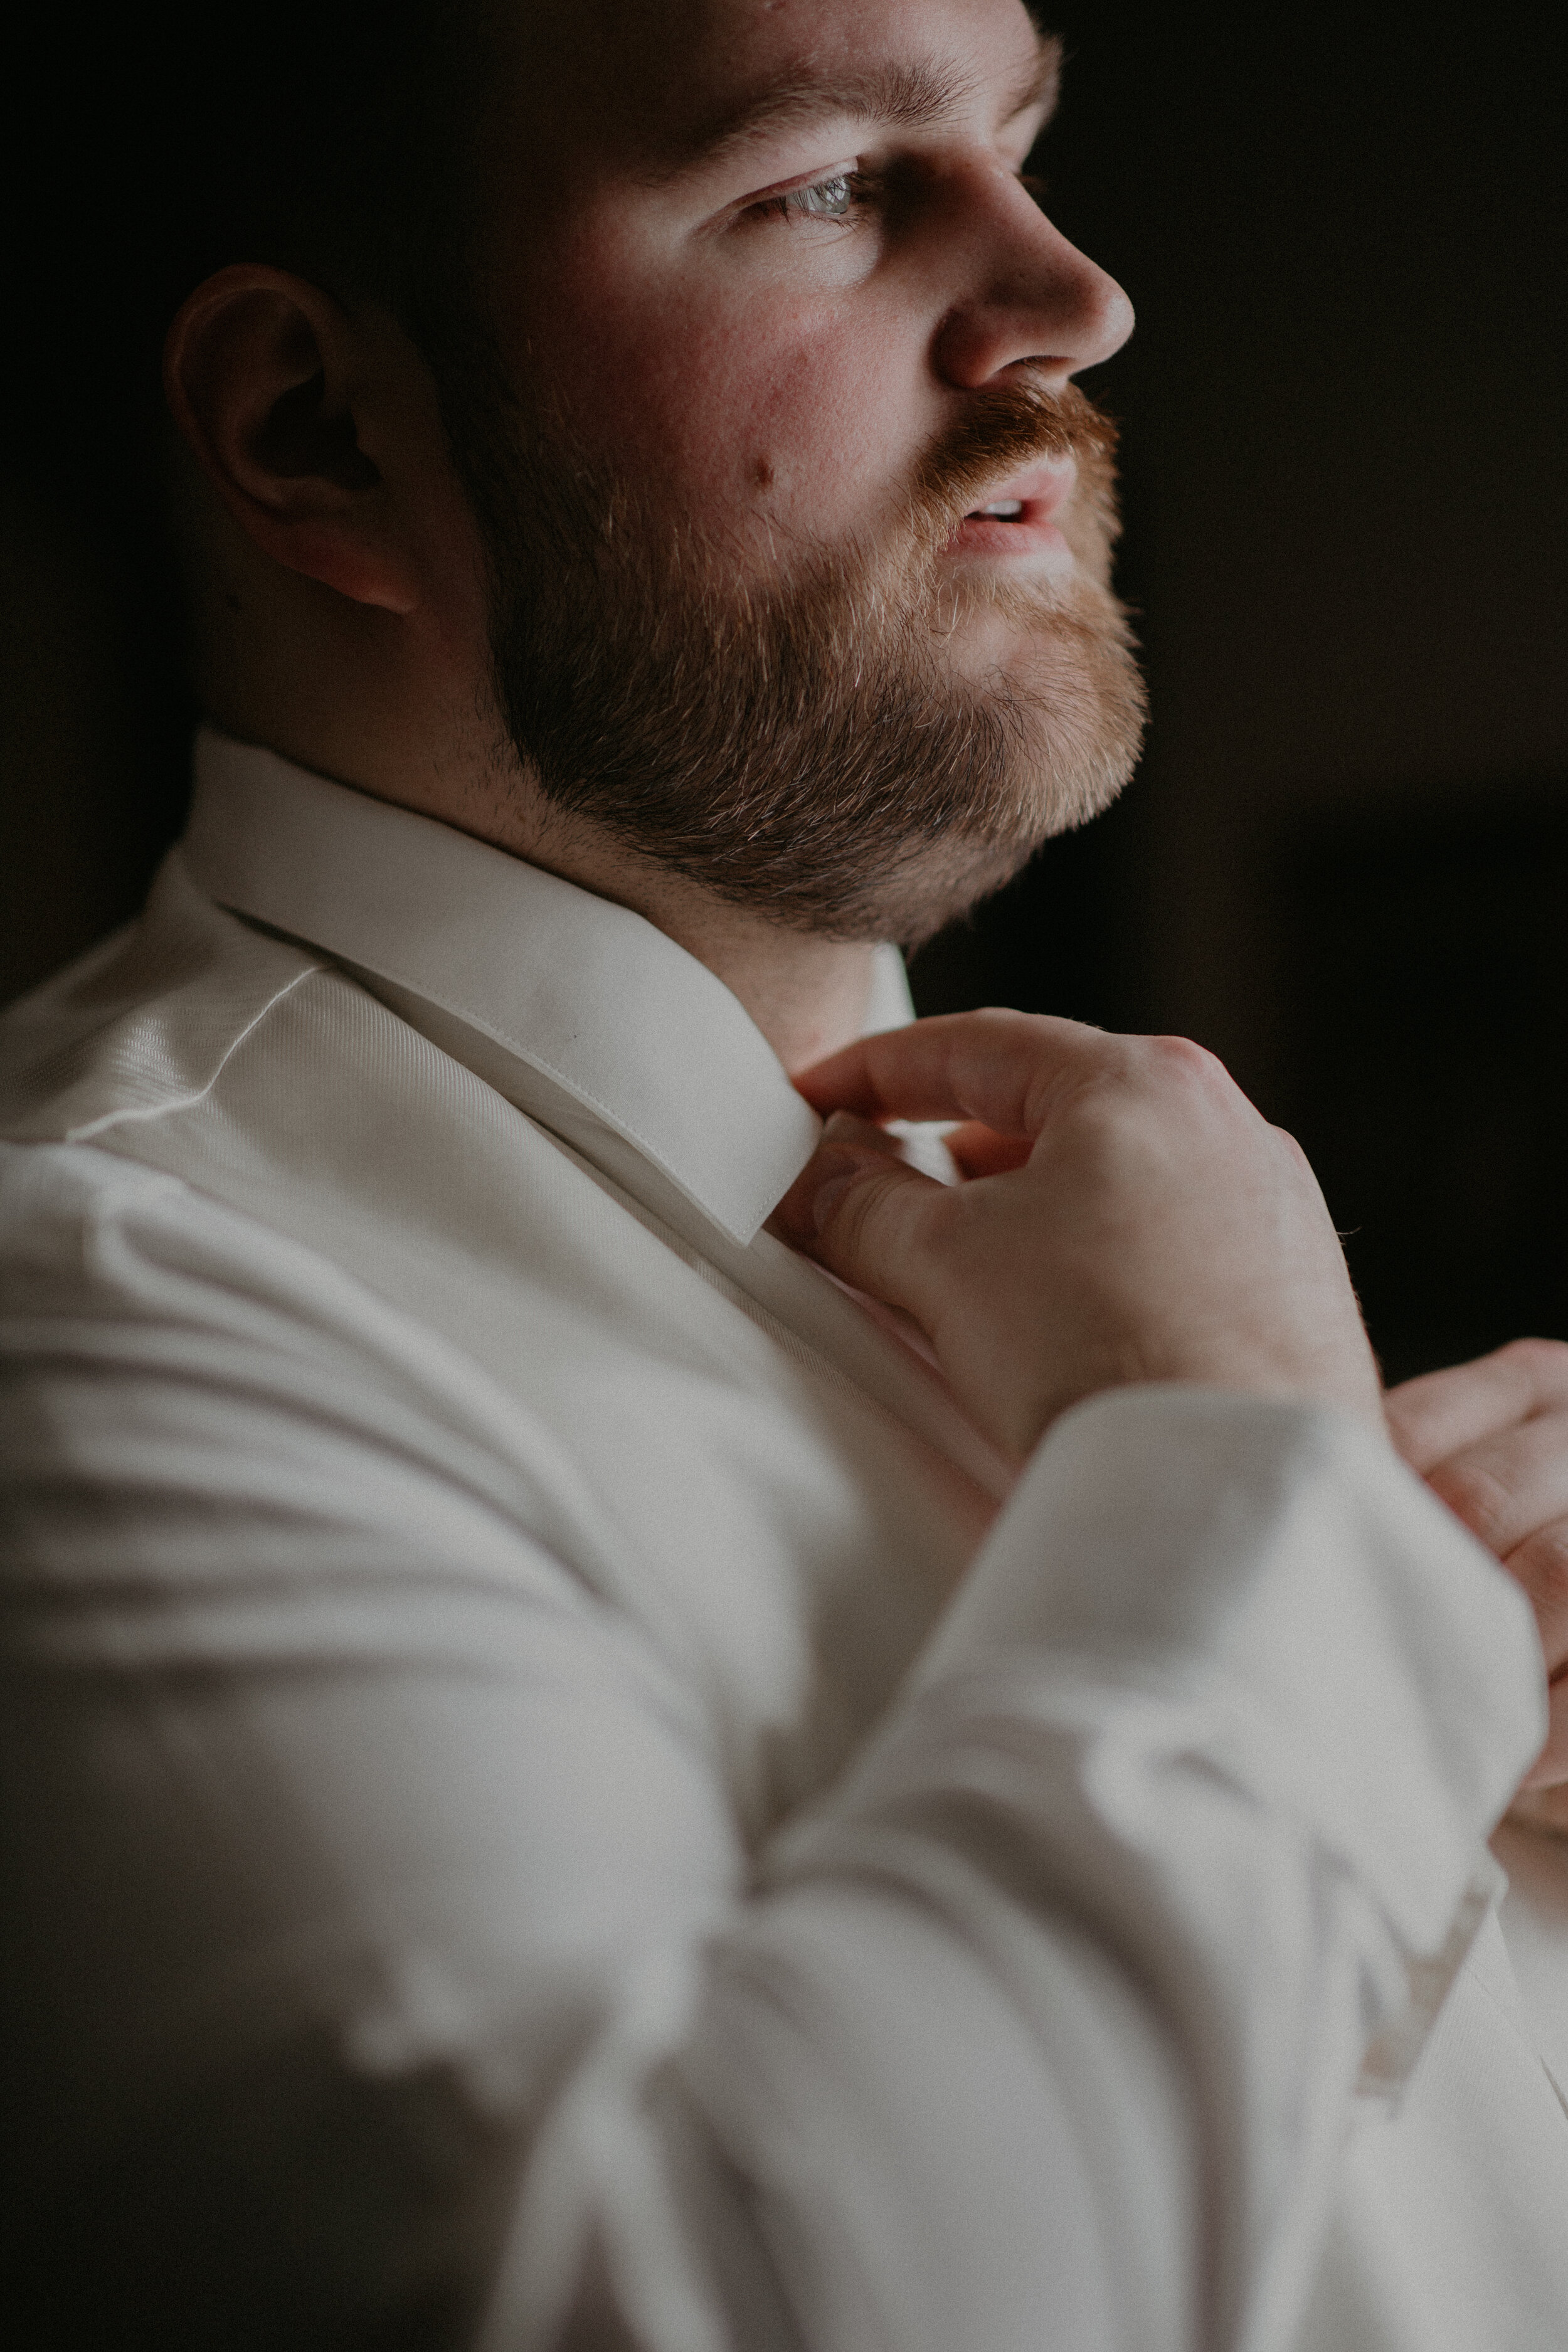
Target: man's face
773, 319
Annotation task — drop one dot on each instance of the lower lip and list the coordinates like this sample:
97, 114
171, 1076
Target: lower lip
1026, 534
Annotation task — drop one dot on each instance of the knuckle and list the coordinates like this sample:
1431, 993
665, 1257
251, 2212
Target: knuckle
1060, 1088
1543, 1361
879, 1212
1184, 1057
1001, 1022
1289, 1150
1004, 1027
861, 1208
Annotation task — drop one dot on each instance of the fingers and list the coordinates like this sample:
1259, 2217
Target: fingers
994, 1067
1550, 1770
979, 1151
1157, 1228
1541, 1566
1491, 1440
1441, 1413
1511, 1490
867, 1217
1506, 1485
1541, 1809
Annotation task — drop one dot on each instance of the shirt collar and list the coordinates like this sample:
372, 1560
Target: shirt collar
587, 1017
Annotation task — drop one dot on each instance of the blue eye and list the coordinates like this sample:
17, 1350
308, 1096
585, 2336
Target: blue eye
828, 200
833, 199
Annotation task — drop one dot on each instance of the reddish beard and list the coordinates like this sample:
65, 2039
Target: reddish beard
807, 745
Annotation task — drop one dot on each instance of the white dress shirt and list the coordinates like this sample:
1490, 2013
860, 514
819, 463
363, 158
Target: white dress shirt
554, 1794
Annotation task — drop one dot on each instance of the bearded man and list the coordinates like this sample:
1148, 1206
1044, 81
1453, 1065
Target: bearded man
634, 1721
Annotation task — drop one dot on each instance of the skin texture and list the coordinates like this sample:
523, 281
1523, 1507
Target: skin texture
1491, 1441
781, 377
1128, 1215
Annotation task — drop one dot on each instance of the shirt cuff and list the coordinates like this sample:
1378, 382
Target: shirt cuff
1365, 1667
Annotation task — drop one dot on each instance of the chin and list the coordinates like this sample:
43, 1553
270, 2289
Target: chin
942, 881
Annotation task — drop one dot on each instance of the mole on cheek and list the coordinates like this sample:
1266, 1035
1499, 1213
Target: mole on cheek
763, 473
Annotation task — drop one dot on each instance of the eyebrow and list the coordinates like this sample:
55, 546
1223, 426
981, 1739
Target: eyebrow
910, 97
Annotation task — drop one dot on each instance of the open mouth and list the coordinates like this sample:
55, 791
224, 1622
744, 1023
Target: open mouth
1020, 521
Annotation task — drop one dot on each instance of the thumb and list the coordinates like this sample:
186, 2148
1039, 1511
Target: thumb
860, 1211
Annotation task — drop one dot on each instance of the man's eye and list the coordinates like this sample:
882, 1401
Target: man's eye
832, 199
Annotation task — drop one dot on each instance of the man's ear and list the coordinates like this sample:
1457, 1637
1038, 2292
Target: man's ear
267, 379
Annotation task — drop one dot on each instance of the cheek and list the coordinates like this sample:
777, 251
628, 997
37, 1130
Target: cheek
744, 407
820, 417
455, 613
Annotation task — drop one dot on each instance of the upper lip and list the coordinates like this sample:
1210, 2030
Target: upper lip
1039, 490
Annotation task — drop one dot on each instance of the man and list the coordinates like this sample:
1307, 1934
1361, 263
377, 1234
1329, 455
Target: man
572, 1779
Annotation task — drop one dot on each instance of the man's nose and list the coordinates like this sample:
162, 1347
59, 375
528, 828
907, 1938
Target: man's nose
1037, 298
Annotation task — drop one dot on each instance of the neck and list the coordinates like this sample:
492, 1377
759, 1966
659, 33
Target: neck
392, 705
808, 995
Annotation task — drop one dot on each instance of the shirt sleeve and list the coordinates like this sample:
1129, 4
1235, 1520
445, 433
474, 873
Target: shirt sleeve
386, 1965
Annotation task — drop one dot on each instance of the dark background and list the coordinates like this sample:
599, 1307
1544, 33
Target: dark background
1344, 862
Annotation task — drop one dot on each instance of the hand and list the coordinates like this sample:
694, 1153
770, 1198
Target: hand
1128, 1216
1491, 1439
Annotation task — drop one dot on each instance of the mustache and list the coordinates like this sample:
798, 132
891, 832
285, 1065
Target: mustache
1005, 428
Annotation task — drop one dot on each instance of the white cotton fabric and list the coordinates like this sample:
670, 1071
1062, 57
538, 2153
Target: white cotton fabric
549, 1769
